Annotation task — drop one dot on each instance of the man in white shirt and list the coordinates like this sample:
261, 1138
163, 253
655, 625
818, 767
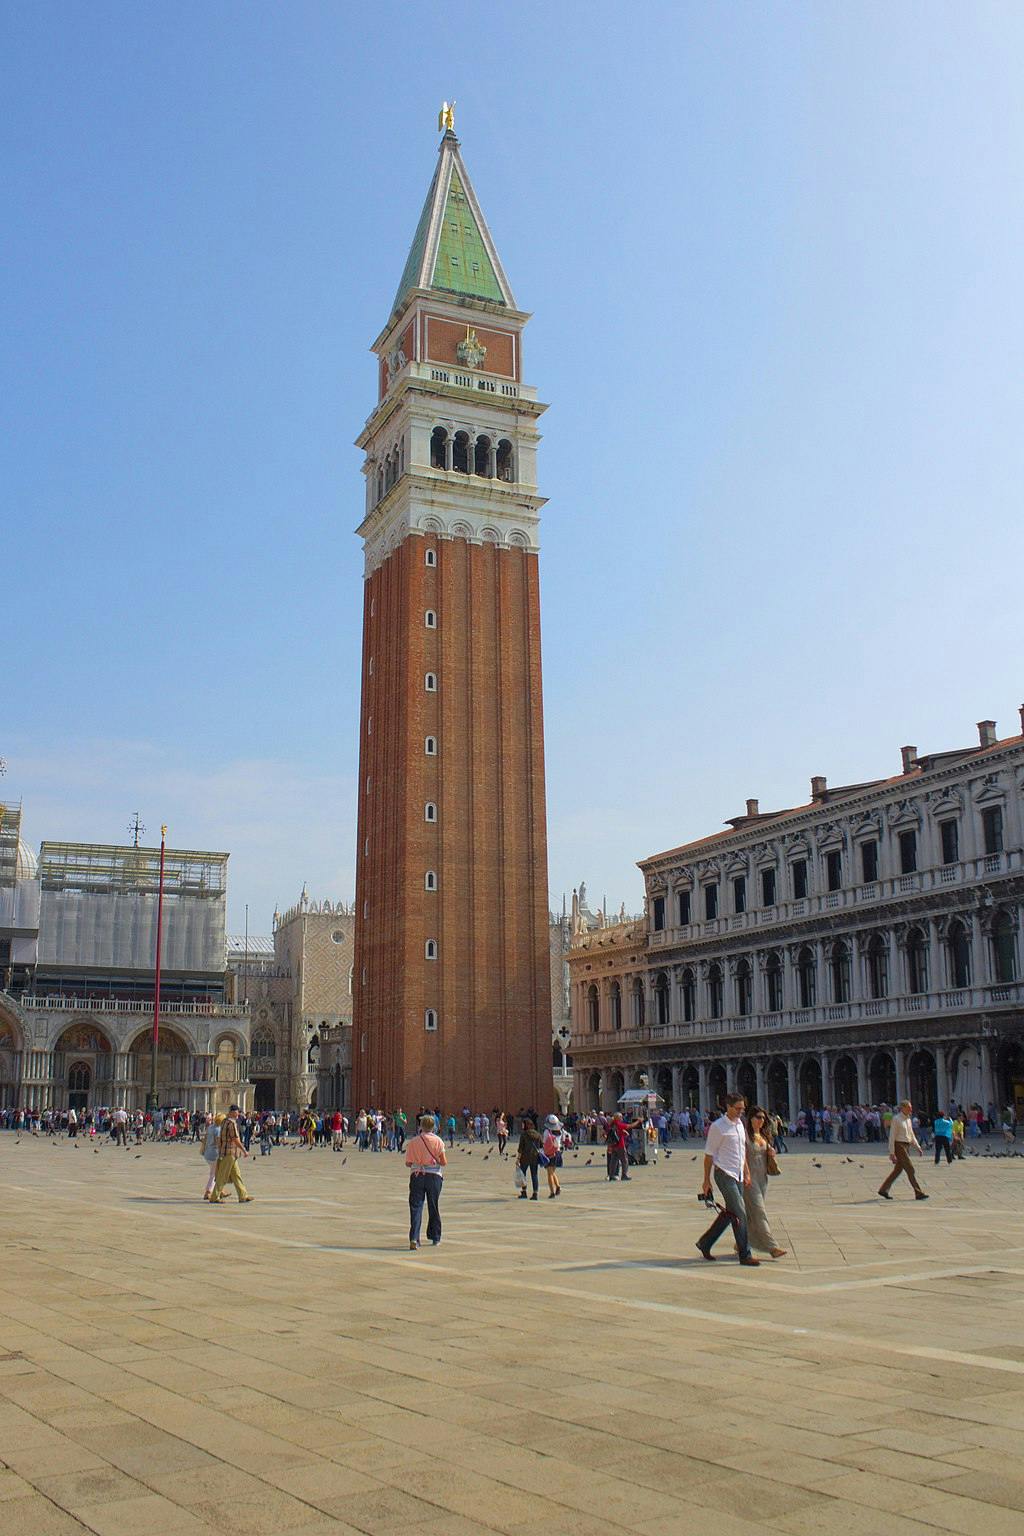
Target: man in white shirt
725, 1151
901, 1139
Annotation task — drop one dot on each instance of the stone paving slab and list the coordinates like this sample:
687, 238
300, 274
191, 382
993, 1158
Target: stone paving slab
570, 1365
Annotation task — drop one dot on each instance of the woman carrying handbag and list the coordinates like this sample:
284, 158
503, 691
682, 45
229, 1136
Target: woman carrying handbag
529, 1156
761, 1159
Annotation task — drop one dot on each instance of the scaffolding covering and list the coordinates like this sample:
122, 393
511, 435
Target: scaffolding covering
98, 908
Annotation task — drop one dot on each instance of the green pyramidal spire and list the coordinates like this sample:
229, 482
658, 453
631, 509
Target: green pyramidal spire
452, 249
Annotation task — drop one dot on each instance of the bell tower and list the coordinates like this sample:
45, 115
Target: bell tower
451, 982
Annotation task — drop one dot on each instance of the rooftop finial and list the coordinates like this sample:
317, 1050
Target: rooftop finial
446, 117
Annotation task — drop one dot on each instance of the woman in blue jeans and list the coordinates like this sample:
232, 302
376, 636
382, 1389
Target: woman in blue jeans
426, 1161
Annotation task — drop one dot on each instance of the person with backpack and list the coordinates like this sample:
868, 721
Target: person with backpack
617, 1144
552, 1144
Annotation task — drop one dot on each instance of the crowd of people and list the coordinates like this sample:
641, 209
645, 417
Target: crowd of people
741, 1147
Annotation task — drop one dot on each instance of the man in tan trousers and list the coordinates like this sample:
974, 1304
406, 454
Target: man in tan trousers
901, 1140
231, 1149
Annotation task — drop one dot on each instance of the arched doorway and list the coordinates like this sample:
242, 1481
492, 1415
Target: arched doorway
616, 1088
173, 1070
663, 1086
716, 1086
882, 1078
921, 1077
79, 1084
10, 1065
776, 1083
810, 1084
594, 1091
1009, 1075
844, 1079
965, 1077
691, 1087
746, 1082
84, 1049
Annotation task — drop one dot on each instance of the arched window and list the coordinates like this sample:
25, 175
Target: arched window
430, 1020
460, 452
958, 947
430, 682
639, 1003
482, 457
615, 997
917, 961
661, 997
430, 746
439, 448
430, 811
878, 966
773, 979
430, 949
744, 988
505, 461
715, 990
79, 1077
689, 996
807, 977
430, 619
380, 483
430, 557
593, 1009
263, 1048
840, 966
1004, 948
430, 881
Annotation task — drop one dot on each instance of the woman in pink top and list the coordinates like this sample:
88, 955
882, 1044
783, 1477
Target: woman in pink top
425, 1160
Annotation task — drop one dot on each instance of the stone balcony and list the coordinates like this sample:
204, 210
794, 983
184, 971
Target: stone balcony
988, 998
853, 899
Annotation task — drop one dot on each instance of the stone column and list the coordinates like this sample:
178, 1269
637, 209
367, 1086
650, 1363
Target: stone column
702, 1085
826, 1078
792, 1085
730, 1077
762, 1086
901, 1072
862, 1076
988, 1085
677, 1088
941, 1077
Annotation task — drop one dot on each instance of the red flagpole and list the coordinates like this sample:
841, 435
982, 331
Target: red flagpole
151, 1097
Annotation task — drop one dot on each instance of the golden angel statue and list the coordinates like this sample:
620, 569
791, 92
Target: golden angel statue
446, 117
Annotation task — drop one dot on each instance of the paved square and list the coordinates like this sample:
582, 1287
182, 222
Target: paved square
569, 1365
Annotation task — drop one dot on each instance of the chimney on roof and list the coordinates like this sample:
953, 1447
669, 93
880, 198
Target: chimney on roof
987, 733
819, 785
752, 808
909, 756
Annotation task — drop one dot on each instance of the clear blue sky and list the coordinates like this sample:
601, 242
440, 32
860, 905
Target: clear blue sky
774, 255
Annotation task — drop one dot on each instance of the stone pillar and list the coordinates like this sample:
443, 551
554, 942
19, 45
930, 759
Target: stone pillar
792, 1085
762, 1086
826, 1078
988, 1084
677, 1088
730, 1077
702, 1085
862, 1076
901, 1072
941, 1078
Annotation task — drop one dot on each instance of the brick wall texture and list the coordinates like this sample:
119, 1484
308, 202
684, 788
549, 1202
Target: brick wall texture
490, 983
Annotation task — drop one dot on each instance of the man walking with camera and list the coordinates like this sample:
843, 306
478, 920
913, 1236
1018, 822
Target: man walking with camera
725, 1151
